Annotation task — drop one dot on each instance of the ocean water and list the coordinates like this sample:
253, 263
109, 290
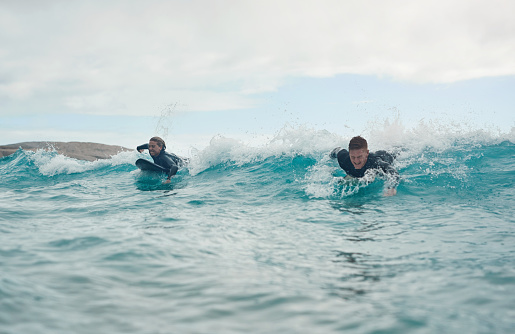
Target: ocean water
263, 239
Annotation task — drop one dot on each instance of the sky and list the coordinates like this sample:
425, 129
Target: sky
120, 71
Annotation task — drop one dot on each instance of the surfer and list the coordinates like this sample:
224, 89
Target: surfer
358, 162
156, 147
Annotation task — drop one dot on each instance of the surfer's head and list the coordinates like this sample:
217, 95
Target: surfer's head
155, 145
358, 152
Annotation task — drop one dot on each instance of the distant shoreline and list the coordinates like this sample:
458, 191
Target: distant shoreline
77, 150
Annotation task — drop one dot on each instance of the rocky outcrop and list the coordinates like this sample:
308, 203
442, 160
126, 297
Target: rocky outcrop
76, 150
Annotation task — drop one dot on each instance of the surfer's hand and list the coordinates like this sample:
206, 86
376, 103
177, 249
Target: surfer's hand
391, 192
167, 181
140, 151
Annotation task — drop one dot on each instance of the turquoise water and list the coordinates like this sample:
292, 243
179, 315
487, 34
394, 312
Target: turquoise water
265, 239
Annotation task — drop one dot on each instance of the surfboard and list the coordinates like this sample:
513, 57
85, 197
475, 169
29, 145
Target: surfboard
149, 166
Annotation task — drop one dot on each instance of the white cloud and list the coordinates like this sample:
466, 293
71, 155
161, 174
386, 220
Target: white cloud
119, 57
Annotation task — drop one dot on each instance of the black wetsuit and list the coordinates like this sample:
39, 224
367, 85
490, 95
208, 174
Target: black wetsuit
380, 160
166, 160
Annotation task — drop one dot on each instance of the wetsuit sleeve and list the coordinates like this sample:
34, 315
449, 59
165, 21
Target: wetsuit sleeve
334, 153
172, 165
173, 171
343, 160
142, 147
393, 178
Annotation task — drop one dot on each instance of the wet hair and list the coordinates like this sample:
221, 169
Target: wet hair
358, 143
160, 142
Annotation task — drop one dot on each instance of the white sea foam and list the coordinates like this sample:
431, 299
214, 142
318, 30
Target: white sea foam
302, 140
51, 163
306, 141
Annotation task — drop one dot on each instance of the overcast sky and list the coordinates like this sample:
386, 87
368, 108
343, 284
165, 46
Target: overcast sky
68, 65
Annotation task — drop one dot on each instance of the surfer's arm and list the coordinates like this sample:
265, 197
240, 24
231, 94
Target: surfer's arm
334, 153
173, 170
171, 165
142, 147
391, 192
392, 178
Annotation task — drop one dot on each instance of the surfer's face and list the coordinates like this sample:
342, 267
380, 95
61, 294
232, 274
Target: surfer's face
358, 157
153, 148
